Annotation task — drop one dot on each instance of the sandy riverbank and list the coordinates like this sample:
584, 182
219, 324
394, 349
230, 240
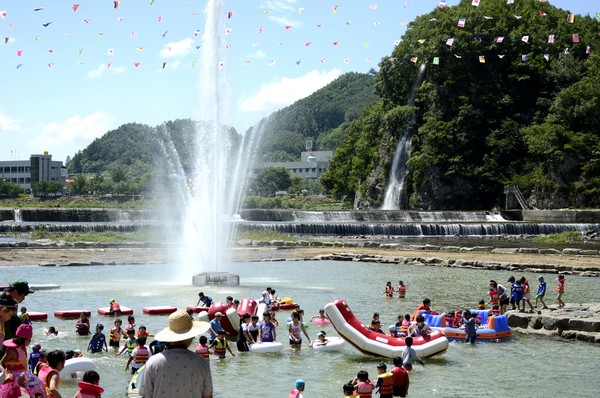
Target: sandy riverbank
127, 254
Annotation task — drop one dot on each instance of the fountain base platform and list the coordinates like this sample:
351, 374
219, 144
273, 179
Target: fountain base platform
216, 278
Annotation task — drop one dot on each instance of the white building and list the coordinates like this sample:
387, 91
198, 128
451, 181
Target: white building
311, 166
38, 168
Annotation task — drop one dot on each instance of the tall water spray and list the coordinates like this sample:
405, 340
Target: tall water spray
395, 189
208, 191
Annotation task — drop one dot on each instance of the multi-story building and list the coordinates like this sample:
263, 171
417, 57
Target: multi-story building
38, 168
311, 166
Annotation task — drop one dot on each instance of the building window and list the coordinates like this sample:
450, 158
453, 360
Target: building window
21, 181
14, 180
27, 180
13, 169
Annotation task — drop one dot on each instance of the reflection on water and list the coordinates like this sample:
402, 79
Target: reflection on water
529, 366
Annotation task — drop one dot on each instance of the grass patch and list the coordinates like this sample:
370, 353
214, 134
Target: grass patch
560, 238
265, 235
141, 235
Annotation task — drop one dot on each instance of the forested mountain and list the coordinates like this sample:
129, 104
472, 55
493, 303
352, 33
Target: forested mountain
135, 154
504, 94
322, 117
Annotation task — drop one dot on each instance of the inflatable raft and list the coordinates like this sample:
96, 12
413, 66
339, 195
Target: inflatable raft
76, 366
230, 322
496, 327
334, 343
274, 346
286, 303
378, 344
106, 311
38, 316
197, 310
71, 314
159, 310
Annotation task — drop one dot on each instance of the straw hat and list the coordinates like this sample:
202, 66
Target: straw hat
181, 327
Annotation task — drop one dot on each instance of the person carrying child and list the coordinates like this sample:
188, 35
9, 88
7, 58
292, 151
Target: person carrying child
541, 292
82, 327
89, 386
385, 383
220, 346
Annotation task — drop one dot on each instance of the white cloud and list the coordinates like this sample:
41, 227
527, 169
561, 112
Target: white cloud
9, 124
177, 48
282, 12
259, 54
75, 132
285, 91
99, 71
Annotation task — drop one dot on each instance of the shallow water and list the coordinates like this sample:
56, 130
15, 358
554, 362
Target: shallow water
531, 366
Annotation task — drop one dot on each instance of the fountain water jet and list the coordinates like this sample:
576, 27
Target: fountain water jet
209, 191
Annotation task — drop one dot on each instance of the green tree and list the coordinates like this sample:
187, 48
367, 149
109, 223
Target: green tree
45, 189
270, 180
79, 185
9, 190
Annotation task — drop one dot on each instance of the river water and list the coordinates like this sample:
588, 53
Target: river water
526, 365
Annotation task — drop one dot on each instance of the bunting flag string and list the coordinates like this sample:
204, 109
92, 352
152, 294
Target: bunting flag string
579, 42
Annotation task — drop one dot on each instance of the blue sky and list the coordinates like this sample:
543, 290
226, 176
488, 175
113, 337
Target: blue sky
93, 69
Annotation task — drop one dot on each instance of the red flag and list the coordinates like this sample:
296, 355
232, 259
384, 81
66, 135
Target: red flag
136, 64
116, 2
19, 53
75, 7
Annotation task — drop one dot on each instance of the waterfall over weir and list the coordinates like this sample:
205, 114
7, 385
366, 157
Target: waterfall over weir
395, 189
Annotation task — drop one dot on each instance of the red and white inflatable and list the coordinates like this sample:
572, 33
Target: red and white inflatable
247, 306
378, 344
38, 316
159, 310
230, 322
197, 310
71, 314
106, 310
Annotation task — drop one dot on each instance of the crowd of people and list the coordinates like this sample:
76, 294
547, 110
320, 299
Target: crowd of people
167, 354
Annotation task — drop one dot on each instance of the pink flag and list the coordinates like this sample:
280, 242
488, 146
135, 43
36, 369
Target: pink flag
510, 1
288, 27
159, 18
500, 39
373, 6
133, 35
336, 43
462, 22
575, 38
86, 21
108, 65
75, 7
19, 53
450, 42
3, 14
550, 39
260, 29
307, 44
136, 64
475, 3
